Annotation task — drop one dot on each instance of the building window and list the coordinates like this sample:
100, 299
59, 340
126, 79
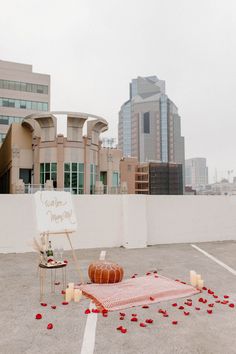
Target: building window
23, 104
115, 179
146, 123
74, 177
2, 137
48, 171
23, 86
93, 174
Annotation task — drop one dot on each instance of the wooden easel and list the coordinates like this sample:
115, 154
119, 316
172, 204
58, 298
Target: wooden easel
55, 216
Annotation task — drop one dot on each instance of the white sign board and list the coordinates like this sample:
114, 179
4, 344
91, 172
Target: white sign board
54, 212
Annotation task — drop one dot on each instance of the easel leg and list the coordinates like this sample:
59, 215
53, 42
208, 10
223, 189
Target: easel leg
75, 259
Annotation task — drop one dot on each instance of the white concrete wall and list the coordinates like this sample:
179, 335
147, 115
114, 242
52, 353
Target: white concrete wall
175, 219
128, 220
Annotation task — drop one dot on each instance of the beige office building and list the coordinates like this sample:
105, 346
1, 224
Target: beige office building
34, 155
22, 92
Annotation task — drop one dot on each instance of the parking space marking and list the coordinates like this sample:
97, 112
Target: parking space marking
231, 270
91, 323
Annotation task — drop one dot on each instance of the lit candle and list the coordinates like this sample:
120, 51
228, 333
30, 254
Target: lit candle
193, 278
200, 284
69, 294
77, 295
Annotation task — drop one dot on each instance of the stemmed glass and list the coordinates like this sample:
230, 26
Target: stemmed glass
61, 250
56, 254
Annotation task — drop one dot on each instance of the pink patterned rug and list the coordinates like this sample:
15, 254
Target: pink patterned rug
136, 292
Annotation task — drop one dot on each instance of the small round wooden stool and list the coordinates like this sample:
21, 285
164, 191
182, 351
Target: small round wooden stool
53, 268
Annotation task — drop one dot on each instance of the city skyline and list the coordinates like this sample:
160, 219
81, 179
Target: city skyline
91, 57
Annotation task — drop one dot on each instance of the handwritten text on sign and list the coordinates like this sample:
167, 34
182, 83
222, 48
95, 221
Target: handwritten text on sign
55, 212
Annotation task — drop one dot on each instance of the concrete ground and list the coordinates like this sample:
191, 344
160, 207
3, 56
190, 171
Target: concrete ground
199, 332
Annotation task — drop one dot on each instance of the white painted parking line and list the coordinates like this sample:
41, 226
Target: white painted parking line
91, 323
231, 270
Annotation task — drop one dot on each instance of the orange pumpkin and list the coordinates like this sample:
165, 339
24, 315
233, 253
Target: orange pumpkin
103, 272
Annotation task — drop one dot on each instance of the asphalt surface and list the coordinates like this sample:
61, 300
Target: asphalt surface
199, 332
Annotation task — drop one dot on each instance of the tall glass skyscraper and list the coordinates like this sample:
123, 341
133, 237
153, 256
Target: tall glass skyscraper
149, 123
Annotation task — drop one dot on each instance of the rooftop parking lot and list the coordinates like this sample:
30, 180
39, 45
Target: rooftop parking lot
198, 332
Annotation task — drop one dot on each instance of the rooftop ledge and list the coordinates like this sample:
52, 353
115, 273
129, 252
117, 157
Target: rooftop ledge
131, 221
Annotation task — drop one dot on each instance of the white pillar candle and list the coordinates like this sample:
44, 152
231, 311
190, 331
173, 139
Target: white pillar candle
193, 278
71, 285
198, 277
77, 295
200, 284
69, 294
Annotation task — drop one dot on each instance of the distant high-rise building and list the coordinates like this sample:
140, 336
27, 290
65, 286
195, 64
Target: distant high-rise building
149, 124
22, 92
196, 173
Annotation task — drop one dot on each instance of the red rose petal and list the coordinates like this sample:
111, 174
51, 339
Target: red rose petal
119, 328
134, 319
50, 326
87, 312
122, 318
165, 315
95, 311
177, 280
53, 307
142, 324
104, 311
149, 320
57, 283
217, 301
65, 303
186, 313
231, 305
175, 304
181, 307
148, 273
38, 316
122, 314
189, 300
211, 305
105, 315
151, 298
133, 276
63, 292
226, 296
145, 307
161, 311
224, 302
210, 292
65, 261
197, 308
188, 303
183, 282
155, 271
123, 330
134, 314
43, 304
215, 296
204, 301
174, 322
209, 311
156, 276
200, 299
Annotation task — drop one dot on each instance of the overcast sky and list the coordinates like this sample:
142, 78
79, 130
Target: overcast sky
93, 48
